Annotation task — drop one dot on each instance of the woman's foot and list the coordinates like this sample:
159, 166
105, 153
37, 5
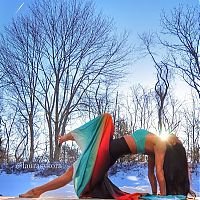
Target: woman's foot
30, 194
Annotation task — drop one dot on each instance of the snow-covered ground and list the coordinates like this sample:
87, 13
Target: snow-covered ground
129, 180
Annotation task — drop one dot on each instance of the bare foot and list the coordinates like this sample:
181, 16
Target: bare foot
30, 194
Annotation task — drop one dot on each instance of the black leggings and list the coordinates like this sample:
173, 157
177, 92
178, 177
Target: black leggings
105, 188
118, 147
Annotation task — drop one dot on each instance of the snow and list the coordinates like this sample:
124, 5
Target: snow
130, 180
13, 185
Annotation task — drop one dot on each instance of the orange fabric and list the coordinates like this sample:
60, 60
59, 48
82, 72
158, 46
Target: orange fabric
134, 196
102, 155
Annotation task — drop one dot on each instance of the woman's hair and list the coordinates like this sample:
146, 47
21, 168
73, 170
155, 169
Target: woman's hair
176, 170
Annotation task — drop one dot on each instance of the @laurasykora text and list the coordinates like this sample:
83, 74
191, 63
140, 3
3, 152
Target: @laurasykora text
23, 165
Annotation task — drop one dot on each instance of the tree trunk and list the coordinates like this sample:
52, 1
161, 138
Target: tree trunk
31, 156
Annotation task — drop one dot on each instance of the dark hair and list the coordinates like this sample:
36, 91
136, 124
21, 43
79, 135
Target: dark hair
176, 170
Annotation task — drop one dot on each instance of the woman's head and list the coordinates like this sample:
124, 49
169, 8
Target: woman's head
176, 170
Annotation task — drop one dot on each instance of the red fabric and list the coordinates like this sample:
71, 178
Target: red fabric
134, 196
103, 151
102, 155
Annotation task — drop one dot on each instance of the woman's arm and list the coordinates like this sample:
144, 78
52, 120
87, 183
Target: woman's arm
151, 175
159, 151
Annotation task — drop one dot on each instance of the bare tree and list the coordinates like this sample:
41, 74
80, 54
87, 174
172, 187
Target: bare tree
172, 115
1, 107
192, 130
7, 132
146, 107
181, 29
20, 148
163, 77
116, 106
69, 153
20, 56
2, 152
79, 51
161, 89
54, 55
140, 108
99, 99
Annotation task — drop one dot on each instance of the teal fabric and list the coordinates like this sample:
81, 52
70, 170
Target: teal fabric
88, 140
172, 197
139, 137
93, 138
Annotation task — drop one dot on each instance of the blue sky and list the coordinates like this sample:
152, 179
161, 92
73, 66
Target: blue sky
138, 16
132, 15
135, 16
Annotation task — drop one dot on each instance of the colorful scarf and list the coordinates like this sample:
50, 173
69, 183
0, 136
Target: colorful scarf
93, 138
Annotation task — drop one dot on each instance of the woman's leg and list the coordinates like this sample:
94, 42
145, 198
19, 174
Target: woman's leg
52, 185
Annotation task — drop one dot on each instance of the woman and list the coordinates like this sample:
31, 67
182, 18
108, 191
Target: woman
100, 151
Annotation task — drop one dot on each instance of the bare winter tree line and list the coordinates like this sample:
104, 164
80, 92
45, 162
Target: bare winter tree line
60, 65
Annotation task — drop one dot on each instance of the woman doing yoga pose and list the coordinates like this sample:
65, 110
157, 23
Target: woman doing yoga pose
100, 151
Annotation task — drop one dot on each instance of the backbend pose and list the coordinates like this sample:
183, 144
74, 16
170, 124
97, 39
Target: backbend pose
100, 151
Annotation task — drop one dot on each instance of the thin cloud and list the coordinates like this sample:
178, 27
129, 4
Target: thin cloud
20, 7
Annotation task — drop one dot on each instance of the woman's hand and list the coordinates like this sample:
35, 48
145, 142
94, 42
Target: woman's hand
173, 140
65, 137
192, 193
61, 139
